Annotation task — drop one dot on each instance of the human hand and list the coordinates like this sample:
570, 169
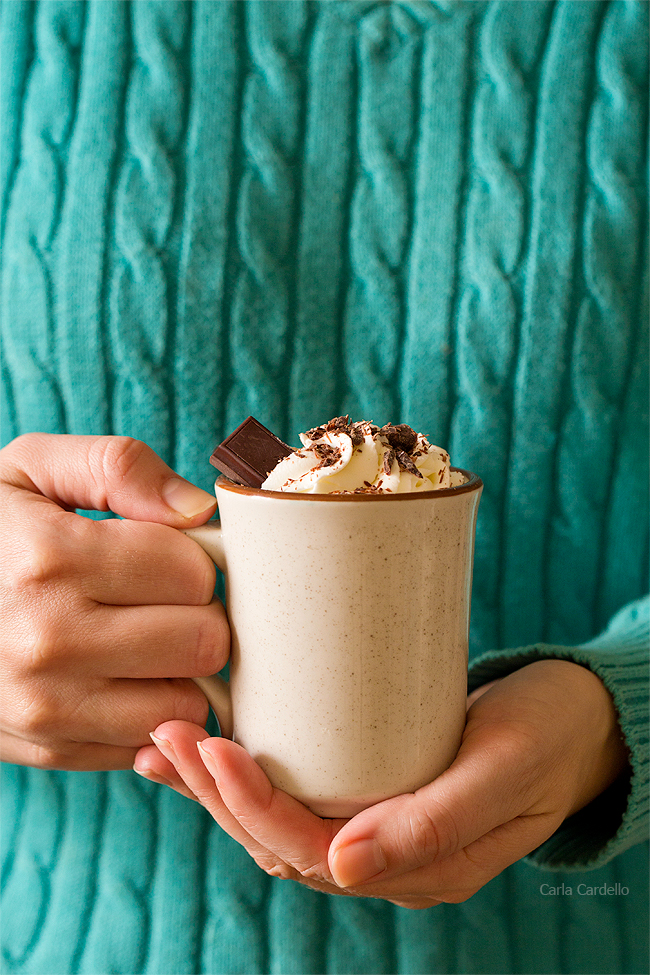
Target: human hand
538, 746
103, 622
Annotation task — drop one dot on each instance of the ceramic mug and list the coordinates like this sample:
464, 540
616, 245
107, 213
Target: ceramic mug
349, 617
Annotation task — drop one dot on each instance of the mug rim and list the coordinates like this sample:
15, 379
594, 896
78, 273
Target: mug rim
473, 483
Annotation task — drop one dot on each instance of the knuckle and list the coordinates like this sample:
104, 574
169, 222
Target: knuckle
428, 833
519, 741
111, 459
20, 447
21, 443
48, 758
211, 643
43, 648
203, 796
520, 748
189, 702
315, 872
36, 718
37, 562
277, 868
474, 858
199, 572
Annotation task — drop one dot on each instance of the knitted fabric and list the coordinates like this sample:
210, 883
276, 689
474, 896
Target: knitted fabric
417, 211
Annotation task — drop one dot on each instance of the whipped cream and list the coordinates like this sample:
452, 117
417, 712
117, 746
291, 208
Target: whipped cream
360, 458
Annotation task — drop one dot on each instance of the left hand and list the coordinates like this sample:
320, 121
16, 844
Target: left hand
538, 746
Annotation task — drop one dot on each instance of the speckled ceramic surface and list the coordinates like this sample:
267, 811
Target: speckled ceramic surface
349, 618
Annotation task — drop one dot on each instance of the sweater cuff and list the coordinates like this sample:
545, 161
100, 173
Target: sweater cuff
618, 818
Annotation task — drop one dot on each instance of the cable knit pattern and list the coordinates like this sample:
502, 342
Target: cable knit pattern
626, 553
426, 384
124, 879
418, 211
389, 40
15, 58
28, 291
510, 44
16, 54
271, 137
323, 244
144, 208
619, 176
83, 362
36, 867
548, 315
606, 320
202, 307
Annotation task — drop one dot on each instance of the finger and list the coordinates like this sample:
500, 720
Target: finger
154, 641
113, 562
478, 692
151, 764
414, 903
489, 855
134, 563
177, 743
66, 756
460, 876
117, 474
478, 793
452, 880
150, 760
274, 819
118, 712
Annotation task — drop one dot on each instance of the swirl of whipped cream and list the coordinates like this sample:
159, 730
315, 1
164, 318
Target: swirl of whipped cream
340, 457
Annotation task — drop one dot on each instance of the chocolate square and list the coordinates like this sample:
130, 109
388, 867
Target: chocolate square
249, 454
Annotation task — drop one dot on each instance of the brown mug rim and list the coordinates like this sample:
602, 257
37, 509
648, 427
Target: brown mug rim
473, 483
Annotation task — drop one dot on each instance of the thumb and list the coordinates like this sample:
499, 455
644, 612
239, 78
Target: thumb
477, 794
117, 474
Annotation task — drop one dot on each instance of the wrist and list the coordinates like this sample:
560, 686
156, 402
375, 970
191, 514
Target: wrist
603, 756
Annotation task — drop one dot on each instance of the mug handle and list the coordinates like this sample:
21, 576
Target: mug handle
217, 691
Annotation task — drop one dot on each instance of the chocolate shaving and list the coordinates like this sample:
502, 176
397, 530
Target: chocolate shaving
325, 450
400, 436
356, 434
406, 464
338, 424
389, 457
328, 455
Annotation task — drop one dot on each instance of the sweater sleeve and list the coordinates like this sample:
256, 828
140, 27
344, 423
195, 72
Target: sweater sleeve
617, 819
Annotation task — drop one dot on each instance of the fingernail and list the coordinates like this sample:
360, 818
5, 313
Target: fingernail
185, 498
165, 747
357, 863
161, 780
209, 762
154, 777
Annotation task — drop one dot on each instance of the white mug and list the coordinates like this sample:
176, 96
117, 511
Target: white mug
349, 618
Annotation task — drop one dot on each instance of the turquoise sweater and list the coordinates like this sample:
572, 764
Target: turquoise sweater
431, 212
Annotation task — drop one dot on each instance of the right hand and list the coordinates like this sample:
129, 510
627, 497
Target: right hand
103, 623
